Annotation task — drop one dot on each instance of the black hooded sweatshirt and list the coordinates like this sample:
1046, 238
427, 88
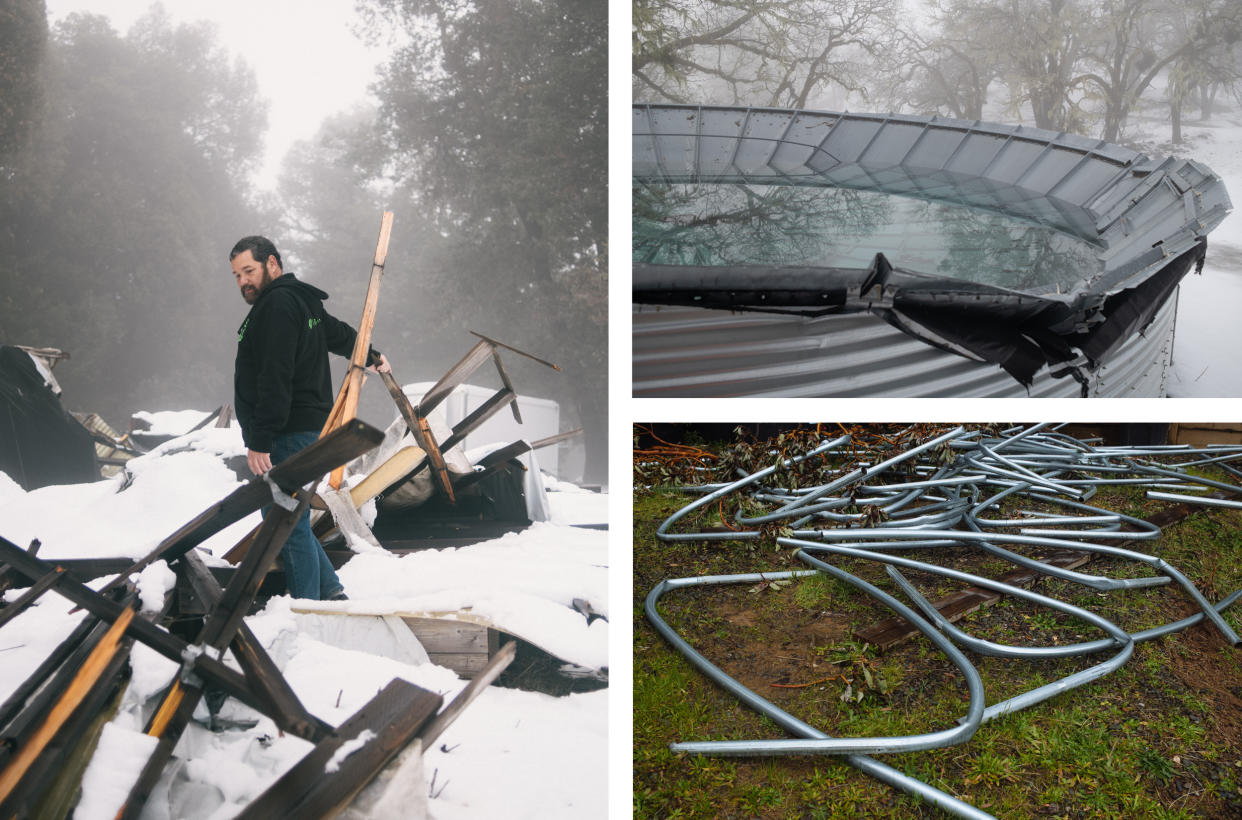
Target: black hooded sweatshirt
281, 379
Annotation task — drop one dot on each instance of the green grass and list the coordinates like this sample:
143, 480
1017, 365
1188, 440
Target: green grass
1115, 747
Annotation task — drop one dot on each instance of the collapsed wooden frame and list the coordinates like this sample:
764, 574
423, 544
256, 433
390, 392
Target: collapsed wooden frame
54, 713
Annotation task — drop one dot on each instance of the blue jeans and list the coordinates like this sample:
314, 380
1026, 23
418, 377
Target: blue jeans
308, 572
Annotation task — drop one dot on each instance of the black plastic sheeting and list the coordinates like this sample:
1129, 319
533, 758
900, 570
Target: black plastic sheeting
1019, 331
40, 443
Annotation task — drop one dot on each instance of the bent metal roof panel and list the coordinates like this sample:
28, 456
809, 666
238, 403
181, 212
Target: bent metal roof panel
954, 232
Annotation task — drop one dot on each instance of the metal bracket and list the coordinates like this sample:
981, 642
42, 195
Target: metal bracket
279, 497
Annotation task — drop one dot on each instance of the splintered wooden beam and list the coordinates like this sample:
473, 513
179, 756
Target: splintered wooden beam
397, 469
222, 623
499, 662
323, 783
481, 414
422, 434
346, 406
491, 341
33, 710
504, 378
214, 671
259, 668
83, 682
556, 439
345, 443
456, 374
30, 595
17, 701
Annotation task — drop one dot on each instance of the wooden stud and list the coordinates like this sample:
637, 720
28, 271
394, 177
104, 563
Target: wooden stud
346, 405
421, 431
28, 597
393, 716
82, 683
343, 444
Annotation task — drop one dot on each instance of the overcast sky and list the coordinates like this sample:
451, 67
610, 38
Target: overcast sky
306, 59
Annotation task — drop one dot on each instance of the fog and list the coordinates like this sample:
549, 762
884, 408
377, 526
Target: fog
141, 143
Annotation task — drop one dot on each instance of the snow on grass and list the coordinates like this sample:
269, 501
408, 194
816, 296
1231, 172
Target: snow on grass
1204, 365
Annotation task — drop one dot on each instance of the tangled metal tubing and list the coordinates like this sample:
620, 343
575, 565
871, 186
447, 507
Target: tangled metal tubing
937, 505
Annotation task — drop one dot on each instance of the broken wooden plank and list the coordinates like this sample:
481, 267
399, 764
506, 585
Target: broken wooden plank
421, 431
64, 759
496, 343
85, 679
217, 673
346, 406
33, 711
86, 569
62, 793
456, 374
504, 378
556, 439
386, 475
213, 415
258, 667
235, 601
15, 607
17, 700
323, 782
219, 627
347, 442
466, 696
479, 415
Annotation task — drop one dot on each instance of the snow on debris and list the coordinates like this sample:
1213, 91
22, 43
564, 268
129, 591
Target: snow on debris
170, 422
512, 753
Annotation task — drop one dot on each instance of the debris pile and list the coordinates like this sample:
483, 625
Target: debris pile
49, 726
929, 491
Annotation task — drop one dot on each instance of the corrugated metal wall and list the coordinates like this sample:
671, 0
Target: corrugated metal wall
708, 353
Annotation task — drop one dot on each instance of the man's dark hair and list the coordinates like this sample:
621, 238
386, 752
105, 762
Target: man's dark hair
260, 248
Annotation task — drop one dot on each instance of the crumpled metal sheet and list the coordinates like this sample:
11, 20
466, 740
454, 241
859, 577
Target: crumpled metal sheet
1146, 219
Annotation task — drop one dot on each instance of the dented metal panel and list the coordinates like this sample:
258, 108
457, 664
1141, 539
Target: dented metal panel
693, 352
755, 194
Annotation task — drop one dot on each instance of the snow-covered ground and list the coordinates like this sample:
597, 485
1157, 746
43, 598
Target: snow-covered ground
1205, 362
511, 754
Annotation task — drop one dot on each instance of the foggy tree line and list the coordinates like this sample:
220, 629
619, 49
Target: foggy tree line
128, 160
1084, 66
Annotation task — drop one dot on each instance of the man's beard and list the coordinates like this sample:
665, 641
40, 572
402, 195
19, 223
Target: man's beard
250, 293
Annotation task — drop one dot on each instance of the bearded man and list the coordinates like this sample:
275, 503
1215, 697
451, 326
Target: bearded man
282, 387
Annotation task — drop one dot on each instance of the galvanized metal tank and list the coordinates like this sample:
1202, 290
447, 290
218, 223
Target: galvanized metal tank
1129, 215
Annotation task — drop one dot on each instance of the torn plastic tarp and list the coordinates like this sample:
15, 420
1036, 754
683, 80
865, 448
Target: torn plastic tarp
1020, 331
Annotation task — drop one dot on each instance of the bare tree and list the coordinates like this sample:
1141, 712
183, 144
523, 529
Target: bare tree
941, 66
755, 52
1137, 40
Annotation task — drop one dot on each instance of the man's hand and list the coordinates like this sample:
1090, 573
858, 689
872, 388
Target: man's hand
259, 463
382, 367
